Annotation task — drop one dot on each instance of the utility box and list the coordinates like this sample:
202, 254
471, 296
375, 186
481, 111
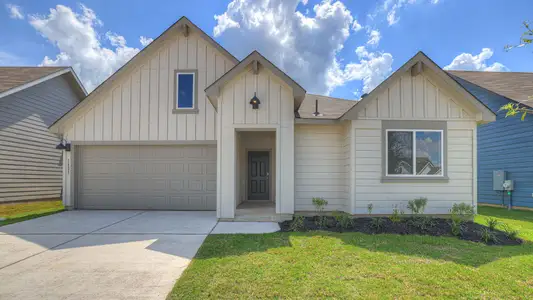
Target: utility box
508, 185
498, 177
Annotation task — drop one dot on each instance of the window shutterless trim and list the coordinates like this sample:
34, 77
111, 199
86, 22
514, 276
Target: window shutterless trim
414, 125
186, 110
414, 132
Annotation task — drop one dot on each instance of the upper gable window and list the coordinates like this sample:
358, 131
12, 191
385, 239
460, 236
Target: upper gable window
185, 91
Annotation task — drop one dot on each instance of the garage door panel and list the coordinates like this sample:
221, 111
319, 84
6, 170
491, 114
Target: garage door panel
147, 177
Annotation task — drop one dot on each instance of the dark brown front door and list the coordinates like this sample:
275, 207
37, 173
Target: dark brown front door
258, 175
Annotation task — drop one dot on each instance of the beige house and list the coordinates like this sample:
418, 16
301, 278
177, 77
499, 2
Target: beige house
186, 126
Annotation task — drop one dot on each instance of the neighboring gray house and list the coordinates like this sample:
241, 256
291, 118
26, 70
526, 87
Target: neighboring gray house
31, 99
505, 144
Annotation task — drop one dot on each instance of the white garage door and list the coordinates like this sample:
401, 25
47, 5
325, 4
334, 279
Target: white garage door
146, 177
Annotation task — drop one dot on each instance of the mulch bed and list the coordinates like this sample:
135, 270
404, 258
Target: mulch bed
439, 227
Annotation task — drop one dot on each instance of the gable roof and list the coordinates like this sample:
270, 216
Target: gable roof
421, 58
330, 108
517, 86
213, 90
182, 24
15, 79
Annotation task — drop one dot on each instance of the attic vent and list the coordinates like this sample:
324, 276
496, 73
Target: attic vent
317, 113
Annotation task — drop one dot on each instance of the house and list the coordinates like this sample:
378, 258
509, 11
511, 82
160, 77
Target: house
504, 144
31, 99
186, 126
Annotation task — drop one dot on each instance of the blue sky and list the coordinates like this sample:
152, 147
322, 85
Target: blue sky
314, 41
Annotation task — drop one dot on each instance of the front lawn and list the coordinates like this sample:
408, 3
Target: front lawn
357, 265
18, 212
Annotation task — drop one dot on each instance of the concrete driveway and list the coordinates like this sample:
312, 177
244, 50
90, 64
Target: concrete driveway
99, 254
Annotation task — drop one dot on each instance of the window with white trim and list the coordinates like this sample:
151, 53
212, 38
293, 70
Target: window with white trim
414, 152
185, 91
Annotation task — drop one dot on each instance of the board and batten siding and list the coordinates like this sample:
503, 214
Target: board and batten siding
138, 104
414, 98
30, 166
275, 113
321, 166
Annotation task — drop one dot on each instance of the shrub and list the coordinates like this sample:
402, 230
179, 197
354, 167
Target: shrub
417, 206
297, 223
344, 220
320, 204
370, 207
456, 227
462, 210
510, 232
423, 223
488, 236
377, 224
321, 222
492, 223
396, 215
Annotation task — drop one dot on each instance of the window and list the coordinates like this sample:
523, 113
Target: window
185, 93
413, 152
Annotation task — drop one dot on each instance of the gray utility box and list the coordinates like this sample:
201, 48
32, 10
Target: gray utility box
498, 177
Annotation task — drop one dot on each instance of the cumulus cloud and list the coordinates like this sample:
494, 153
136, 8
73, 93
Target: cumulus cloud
469, 62
15, 11
374, 36
305, 46
75, 35
372, 69
145, 40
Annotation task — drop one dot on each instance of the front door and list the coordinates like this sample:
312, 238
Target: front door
258, 175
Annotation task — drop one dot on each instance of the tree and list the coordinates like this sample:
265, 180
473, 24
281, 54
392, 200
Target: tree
512, 108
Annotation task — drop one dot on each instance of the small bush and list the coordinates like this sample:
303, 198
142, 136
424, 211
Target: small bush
488, 236
422, 223
369, 208
510, 232
377, 224
397, 214
344, 220
457, 227
321, 222
462, 210
492, 223
320, 204
297, 224
417, 206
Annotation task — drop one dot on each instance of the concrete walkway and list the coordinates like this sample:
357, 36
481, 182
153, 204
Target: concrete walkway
99, 254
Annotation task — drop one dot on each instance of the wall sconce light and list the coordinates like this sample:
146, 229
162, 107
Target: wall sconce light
255, 102
63, 145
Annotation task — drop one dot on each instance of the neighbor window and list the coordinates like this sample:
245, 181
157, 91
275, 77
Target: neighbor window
414, 152
185, 91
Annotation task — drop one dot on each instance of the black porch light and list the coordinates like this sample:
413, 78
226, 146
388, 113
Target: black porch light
255, 102
63, 145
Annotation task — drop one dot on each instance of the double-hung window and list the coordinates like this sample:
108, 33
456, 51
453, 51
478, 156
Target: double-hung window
185, 91
414, 152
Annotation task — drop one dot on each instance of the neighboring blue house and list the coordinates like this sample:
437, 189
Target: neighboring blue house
506, 144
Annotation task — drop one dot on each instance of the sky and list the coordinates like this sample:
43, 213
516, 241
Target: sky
339, 48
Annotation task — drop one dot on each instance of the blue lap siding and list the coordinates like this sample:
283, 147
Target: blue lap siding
506, 144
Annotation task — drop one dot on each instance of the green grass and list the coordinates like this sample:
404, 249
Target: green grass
18, 212
355, 265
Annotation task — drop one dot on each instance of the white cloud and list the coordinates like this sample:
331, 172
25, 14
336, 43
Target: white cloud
392, 8
372, 69
356, 26
145, 40
15, 11
79, 43
305, 46
469, 62
374, 36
